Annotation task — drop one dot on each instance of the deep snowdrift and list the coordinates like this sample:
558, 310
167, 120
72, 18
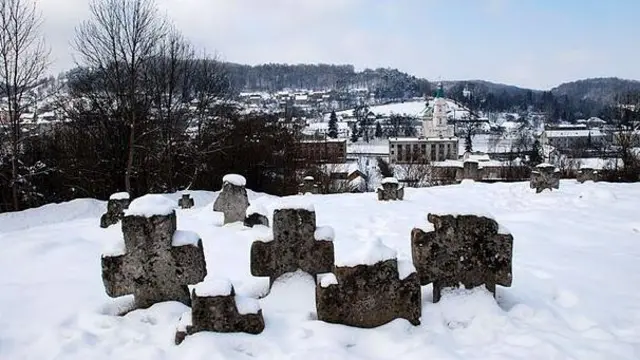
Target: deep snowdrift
574, 296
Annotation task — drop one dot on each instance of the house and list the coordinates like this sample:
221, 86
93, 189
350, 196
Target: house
322, 151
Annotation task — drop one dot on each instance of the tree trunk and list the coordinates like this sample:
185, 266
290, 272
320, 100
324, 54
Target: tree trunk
14, 182
129, 170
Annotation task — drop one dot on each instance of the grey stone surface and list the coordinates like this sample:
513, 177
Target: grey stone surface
465, 249
368, 296
586, 174
115, 212
152, 269
293, 247
390, 191
544, 177
471, 170
219, 314
256, 219
308, 186
233, 202
186, 202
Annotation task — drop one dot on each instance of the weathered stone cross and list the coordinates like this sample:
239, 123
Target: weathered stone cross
465, 249
294, 246
158, 262
186, 202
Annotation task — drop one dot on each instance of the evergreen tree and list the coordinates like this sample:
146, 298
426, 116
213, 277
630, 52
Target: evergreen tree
535, 157
354, 133
468, 142
378, 133
333, 125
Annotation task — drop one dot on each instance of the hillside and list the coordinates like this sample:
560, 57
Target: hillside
575, 261
600, 90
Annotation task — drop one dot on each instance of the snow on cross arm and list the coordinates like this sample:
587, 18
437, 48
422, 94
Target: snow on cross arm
151, 205
119, 196
324, 233
370, 253
213, 287
235, 179
295, 202
247, 305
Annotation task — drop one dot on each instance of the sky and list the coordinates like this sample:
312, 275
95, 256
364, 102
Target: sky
537, 44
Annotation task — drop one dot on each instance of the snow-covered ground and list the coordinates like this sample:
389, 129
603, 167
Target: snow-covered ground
576, 267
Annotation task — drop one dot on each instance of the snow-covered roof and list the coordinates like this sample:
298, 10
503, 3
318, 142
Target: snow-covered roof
598, 164
349, 168
573, 133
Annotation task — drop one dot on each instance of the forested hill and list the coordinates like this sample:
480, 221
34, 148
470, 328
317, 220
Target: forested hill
601, 90
386, 83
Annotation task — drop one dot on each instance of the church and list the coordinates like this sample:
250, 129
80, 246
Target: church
437, 143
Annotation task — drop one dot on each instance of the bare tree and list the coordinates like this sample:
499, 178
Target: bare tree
24, 58
118, 42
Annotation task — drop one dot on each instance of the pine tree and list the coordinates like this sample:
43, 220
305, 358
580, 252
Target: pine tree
535, 157
468, 142
354, 133
378, 133
333, 125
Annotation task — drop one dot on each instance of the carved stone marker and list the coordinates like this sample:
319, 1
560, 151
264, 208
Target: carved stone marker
308, 186
233, 200
545, 176
296, 244
390, 189
465, 249
256, 215
116, 205
587, 174
471, 170
186, 202
156, 262
216, 307
370, 295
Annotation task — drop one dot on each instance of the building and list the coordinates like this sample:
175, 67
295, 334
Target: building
572, 138
322, 151
437, 143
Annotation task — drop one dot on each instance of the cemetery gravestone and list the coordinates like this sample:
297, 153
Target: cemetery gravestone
545, 176
157, 262
233, 200
116, 205
390, 189
296, 244
186, 202
308, 186
216, 307
587, 174
466, 249
366, 294
256, 215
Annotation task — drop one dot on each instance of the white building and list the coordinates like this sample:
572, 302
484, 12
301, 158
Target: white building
438, 142
572, 138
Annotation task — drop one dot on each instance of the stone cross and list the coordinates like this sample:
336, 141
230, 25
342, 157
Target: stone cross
219, 309
465, 249
186, 202
294, 246
158, 262
256, 216
545, 176
390, 190
233, 200
308, 186
368, 296
587, 174
116, 205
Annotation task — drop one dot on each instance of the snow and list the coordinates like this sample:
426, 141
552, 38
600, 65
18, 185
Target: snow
114, 247
247, 305
327, 279
185, 237
575, 260
405, 268
213, 287
325, 233
151, 205
309, 178
185, 321
119, 196
369, 253
389, 180
235, 179
545, 165
256, 209
300, 202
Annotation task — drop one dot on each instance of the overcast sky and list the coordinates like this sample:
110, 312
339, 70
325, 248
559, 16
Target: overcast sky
530, 43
